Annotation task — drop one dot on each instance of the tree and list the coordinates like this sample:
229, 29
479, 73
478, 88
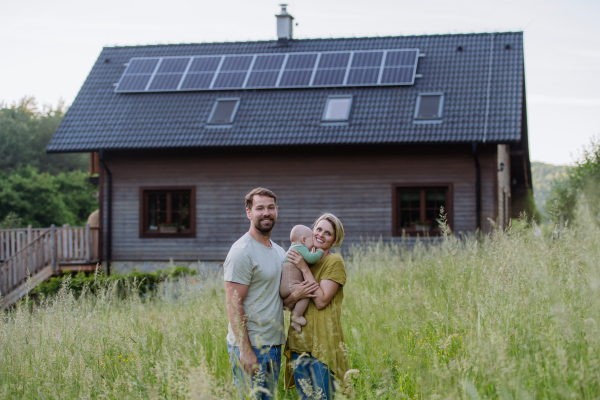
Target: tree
24, 135
42, 199
581, 183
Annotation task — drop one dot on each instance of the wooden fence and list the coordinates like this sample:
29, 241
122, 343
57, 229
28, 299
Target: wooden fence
71, 242
29, 251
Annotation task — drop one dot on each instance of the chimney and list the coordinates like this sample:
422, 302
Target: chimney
284, 26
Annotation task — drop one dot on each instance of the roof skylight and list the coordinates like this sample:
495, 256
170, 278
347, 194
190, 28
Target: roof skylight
429, 106
337, 108
224, 111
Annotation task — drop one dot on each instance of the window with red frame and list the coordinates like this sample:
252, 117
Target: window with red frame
167, 212
417, 209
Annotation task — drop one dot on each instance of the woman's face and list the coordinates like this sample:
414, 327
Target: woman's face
324, 235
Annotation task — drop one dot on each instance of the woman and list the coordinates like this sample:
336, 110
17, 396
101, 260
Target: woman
317, 355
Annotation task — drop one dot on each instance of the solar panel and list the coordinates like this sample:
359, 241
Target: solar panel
197, 81
295, 78
171, 65
165, 82
262, 79
205, 64
326, 77
363, 76
270, 71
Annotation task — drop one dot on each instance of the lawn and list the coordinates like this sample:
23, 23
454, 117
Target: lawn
514, 315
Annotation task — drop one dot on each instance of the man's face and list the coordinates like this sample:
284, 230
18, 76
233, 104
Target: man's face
263, 213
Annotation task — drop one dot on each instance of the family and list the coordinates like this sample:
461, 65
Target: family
261, 280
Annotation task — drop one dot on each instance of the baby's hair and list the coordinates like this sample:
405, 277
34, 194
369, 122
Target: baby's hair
298, 232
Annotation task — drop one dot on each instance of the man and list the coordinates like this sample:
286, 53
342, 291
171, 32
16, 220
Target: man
255, 310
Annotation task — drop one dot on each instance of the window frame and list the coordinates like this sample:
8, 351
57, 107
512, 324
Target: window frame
440, 107
143, 218
233, 114
337, 96
398, 230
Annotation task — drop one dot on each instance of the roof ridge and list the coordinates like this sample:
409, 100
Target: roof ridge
313, 39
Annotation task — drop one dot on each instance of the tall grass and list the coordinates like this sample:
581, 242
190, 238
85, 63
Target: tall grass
512, 316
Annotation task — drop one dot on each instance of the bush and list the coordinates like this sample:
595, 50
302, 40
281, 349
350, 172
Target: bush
582, 182
143, 282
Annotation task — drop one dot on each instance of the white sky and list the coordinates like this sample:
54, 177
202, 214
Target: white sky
47, 48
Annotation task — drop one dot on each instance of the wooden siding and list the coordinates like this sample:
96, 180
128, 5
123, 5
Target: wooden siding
355, 186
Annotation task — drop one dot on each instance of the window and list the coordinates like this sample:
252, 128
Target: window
168, 212
224, 111
417, 208
337, 108
429, 106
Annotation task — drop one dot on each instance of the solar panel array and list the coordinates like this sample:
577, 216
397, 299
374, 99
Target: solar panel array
268, 71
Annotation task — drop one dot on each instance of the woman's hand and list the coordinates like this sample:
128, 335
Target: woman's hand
304, 290
296, 258
301, 291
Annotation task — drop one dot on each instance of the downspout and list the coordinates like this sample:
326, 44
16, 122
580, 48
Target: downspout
108, 213
489, 88
477, 186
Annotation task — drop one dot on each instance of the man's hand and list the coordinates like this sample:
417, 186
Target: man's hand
249, 361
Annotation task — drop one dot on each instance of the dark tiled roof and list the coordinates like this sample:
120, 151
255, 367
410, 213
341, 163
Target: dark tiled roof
102, 119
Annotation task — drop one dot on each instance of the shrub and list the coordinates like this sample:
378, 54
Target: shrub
142, 282
582, 182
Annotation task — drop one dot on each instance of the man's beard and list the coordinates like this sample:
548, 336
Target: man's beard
265, 229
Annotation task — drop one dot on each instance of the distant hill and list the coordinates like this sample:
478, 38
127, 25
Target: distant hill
542, 176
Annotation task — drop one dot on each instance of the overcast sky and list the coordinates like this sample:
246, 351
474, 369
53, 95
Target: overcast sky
47, 48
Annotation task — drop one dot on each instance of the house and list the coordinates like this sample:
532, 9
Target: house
381, 131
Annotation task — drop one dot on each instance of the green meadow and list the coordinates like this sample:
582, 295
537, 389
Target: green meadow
513, 315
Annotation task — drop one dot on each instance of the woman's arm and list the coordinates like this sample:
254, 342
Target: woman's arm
325, 293
327, 288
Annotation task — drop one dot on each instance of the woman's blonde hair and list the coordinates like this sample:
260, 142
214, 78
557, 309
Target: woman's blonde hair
337, 227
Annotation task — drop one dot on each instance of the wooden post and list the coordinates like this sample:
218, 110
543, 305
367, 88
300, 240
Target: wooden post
53, 247
29, 234
12, 243
88, 243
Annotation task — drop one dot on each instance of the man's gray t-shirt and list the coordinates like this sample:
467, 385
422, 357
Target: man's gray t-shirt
251, 263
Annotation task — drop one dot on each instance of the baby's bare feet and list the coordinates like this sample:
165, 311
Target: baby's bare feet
297, 327
300, 320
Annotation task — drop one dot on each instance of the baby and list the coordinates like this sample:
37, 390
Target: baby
302, 240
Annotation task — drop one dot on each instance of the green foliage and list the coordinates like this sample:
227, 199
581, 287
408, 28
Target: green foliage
11, 221
543, 175
524, 205
42, 199
582, 182
24, 134
512, 315
144, 283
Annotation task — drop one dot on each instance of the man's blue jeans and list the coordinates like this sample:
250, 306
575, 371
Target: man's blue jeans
313, 378
265, 383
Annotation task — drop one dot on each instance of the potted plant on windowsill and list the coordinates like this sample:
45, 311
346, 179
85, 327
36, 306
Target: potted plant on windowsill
168, 227
423, 226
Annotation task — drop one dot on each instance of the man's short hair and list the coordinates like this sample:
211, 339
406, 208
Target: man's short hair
261, 192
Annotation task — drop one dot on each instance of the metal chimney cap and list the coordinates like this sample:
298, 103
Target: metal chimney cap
284, 12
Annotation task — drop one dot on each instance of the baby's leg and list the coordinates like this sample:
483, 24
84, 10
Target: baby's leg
298, 314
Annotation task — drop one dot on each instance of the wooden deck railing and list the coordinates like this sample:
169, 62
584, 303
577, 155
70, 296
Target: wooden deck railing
43, 251
13, 240
30, 259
